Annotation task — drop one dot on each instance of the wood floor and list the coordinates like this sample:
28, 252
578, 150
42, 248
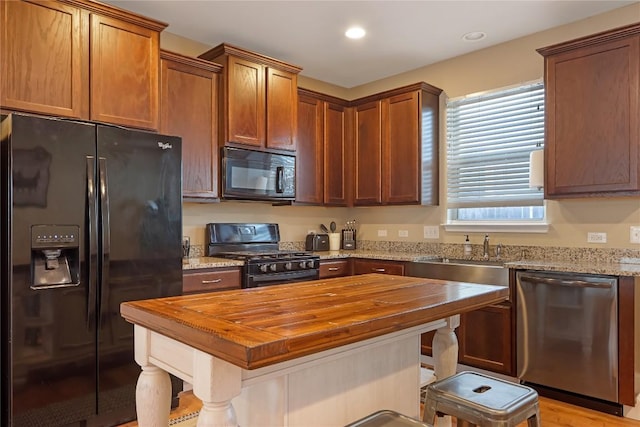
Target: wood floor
553, 414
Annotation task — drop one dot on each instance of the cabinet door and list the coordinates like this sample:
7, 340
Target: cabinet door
282, 107
401, 149
367, 185
245, 102
309, 157
45, 58
188, 101
364, 266
485, 339
336, 165
124, 73
592, 120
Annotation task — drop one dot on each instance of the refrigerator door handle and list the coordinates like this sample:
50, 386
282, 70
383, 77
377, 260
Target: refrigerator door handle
92, 250
106, 243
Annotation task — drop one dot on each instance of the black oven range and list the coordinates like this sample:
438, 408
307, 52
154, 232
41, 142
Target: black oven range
257, 244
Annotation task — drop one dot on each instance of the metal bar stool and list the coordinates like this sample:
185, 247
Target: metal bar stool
482, 400
387, 418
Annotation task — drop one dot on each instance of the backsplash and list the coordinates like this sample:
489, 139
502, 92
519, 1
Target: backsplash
508, 253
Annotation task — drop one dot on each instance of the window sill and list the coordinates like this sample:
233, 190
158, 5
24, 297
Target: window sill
497, 227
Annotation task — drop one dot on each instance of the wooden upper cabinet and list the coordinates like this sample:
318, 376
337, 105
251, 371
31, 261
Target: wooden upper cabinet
309, 155
124, 72
282, 119
245, 100
259, 99
188, 108
322, 149
397, 147
44, 58
337, 154
400, 143
592, 115
81, 59
368, 154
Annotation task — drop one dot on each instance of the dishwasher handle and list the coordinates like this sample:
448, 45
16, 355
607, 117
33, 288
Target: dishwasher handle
569, 283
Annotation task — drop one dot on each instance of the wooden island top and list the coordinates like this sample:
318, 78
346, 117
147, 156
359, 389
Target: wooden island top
253, 328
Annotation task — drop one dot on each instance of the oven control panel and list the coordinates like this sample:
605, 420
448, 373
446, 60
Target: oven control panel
283, 266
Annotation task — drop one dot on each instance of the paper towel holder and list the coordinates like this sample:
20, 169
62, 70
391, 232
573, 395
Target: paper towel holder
536, 168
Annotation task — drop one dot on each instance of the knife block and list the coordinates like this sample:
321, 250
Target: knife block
348, 240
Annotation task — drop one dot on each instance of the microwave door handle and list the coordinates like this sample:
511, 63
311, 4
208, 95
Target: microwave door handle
280, 179
570, 283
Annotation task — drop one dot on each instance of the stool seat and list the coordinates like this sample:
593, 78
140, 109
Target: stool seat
482, 400
387, 418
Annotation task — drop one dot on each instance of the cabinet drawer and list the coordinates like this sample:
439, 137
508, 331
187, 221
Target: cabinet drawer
334, 268
361, 266
211, 280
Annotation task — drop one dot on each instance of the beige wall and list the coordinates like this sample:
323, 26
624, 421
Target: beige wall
503, 65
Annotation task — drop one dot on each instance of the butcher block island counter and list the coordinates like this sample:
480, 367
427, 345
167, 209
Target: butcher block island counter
324, 352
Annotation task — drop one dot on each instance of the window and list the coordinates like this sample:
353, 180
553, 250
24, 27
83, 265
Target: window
489, 139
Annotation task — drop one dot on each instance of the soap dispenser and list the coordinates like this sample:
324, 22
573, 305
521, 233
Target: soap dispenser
467, 247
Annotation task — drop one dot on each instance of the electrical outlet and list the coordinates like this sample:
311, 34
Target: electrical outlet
431, 232
382, 233
634, 234
596, 237
403, 233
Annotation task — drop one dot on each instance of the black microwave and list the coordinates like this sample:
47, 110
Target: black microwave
257, 175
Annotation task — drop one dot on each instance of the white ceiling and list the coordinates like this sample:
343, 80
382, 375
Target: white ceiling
401, 35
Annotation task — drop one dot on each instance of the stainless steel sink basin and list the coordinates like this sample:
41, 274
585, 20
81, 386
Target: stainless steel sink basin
461, 270
468, 262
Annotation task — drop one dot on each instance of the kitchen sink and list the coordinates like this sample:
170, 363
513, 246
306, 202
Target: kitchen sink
462, 261
461, 270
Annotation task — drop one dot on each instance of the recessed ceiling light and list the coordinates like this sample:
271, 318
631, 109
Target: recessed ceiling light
355, 33
474, 36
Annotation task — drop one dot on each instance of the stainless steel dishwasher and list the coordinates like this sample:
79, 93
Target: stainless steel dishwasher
567, 332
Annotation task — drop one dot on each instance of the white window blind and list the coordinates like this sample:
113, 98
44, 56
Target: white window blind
489, 138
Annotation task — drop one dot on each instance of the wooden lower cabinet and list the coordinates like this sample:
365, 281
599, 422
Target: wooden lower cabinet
364, 266
484, 339
334, 268
211, 279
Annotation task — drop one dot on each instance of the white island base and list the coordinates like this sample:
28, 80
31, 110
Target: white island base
330, 388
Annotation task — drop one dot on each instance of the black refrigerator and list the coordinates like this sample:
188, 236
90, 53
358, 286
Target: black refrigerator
91, 216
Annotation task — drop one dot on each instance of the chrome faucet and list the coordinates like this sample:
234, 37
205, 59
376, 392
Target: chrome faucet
485, 247
498, 251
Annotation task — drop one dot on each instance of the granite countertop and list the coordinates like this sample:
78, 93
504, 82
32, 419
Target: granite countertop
385, 255
209, 262
213, 262
631, 268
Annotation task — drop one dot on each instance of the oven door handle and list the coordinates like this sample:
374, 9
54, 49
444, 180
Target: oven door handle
286, 276
570, 283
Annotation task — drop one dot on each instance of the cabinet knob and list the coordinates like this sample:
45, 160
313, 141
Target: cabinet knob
378, 270
334, 268
208, 282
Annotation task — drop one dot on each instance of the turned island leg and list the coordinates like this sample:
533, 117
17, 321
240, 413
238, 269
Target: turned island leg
216, 383
153, 390
445, 357
445, 349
